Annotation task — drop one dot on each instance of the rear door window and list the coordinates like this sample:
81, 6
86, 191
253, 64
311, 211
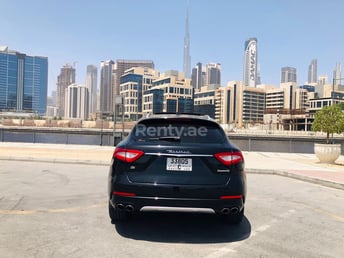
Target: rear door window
183, 131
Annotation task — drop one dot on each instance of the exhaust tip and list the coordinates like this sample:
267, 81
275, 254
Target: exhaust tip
120, 206
129, 208
234, 210
225, 211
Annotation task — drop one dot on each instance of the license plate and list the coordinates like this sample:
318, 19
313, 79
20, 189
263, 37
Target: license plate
179, 164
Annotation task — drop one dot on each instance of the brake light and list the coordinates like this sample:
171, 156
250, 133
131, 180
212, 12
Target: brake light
230, 197
127, 155
229, 158
125, 194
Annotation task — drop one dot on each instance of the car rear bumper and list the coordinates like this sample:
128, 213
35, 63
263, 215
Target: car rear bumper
137, 203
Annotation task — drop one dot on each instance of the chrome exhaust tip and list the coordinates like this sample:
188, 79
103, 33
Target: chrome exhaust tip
129, 208
234, 210
120, 206
225, 211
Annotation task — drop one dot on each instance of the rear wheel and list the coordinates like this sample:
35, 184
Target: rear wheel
117, 215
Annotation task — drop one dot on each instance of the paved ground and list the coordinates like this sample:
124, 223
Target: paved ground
300, 166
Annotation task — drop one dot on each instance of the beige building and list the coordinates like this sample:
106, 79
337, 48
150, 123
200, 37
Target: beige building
171, 91
235, 104
134, 83
76, 101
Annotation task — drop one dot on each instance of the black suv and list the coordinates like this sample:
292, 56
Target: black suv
177, 161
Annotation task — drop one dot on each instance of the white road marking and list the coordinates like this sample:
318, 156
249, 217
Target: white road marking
230, 247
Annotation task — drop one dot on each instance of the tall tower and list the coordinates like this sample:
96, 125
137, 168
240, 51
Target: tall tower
64, 79
187, 57
196, 80
288, 74
76, 101
23, 82
312, 71
213, 73
118, 70
337, 74
250, 62
91, 84
106, 85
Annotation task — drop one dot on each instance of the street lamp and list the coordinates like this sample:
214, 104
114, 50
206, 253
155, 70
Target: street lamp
101, 129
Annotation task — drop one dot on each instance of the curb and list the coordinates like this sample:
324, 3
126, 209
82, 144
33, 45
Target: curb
248, 171
62, 161
308, 179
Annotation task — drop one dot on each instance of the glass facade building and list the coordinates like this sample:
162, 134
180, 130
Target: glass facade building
251, 62
23, 82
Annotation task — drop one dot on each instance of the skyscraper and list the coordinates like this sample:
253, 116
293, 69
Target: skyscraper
250, 62
91, 84
64, 79
213, 72
118, 70
76, 98
196, 78
106, 83
187, 57
288, 74
337, 74
23, 82
312, 71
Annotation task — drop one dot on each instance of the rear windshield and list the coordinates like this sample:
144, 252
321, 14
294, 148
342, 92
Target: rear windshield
184, 131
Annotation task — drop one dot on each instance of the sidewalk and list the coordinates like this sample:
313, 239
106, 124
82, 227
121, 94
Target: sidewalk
305, 167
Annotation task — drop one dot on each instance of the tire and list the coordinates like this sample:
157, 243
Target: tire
117, 215
234, 219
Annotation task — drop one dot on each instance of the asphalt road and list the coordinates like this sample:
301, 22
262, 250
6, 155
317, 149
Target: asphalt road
60, 210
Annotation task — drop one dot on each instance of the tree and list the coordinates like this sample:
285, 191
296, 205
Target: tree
330, 119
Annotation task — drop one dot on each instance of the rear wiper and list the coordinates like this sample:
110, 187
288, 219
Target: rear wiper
166, 138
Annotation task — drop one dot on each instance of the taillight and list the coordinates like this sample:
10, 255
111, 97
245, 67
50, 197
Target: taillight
127, 155
229, 158
230, 197
125, 194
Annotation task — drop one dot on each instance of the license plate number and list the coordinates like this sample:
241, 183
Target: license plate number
179, 164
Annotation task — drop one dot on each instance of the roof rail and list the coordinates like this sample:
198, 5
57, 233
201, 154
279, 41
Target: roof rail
180, 113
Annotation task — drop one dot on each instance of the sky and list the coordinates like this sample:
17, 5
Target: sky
84, 32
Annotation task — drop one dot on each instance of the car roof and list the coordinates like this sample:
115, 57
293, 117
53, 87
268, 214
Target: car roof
167, 115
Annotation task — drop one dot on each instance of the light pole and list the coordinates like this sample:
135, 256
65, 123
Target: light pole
101, 129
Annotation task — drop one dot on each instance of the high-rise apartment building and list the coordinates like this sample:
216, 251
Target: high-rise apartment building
23, 82
64, 79
118, 70
337, 74
91, 84
234, 104
187, 57
76, 101
176, 91
213, 73
204, 100
313, 71
287, 97
197, 77
206, 75
250, 62
134, 83
288, 74
106, 86
323, 79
